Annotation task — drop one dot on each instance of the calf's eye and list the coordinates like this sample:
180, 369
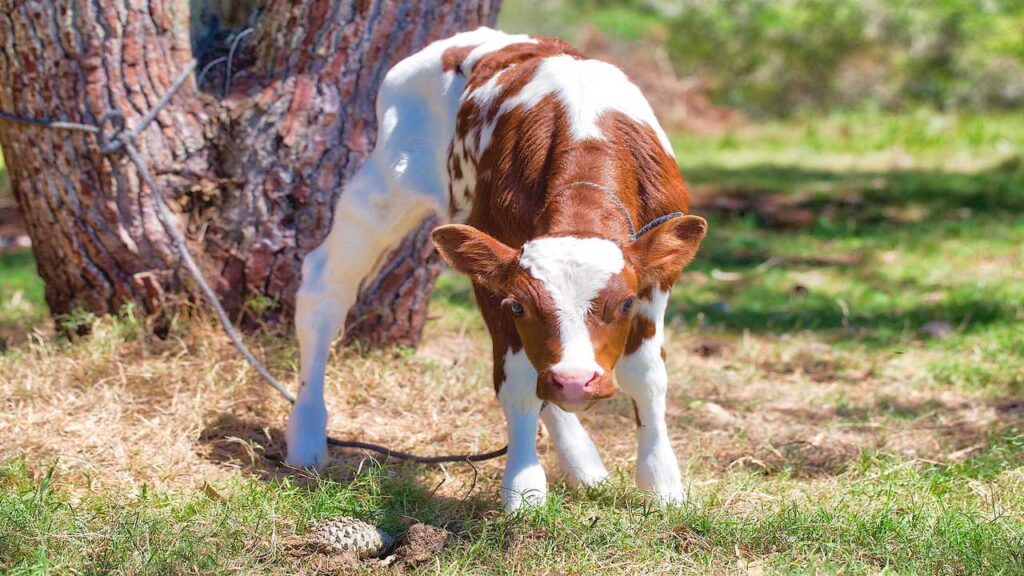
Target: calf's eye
516, 307
627, 305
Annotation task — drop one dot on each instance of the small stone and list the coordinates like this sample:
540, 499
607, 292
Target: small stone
348, 535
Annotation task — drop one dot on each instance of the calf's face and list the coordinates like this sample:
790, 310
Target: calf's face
573, 299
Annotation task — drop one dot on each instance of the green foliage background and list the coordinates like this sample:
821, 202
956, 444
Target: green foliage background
782, 57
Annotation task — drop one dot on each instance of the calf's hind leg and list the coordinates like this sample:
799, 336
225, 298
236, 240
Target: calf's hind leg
373, 214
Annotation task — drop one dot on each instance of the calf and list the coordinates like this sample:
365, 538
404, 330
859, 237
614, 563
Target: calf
546, 159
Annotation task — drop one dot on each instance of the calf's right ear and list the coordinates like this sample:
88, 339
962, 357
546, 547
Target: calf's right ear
470, 251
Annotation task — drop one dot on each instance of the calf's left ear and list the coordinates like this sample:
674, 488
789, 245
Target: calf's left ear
663, 252
470, 251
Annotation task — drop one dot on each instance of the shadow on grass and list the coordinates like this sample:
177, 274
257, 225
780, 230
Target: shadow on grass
867, 197
258, 450
781, 311
846, 223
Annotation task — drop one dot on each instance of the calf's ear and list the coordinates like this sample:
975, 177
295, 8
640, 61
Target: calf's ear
662, 253
470, 251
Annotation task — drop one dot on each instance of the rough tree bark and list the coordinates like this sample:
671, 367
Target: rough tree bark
253, 174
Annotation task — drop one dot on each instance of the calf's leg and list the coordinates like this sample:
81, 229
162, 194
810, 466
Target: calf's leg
373, 214
524, 482
641, 374
577, 455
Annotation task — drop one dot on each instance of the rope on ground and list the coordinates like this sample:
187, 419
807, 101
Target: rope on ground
117, 139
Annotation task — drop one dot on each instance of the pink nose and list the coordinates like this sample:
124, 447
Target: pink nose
572, 384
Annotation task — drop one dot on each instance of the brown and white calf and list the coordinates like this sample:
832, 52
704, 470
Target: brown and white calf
546, 159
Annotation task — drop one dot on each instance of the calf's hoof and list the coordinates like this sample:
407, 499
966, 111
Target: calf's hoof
307, 440
526, 499
524, 488
306, 456
671, 498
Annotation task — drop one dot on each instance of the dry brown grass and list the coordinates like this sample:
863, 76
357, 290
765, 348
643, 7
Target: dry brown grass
117, 413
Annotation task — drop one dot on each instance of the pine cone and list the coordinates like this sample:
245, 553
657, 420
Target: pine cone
344, 534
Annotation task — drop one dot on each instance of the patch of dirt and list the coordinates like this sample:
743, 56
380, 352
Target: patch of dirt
420, 544
687, 541
709, 348
321, 564
800, 458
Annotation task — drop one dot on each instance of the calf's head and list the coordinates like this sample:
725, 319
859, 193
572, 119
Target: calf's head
573, 299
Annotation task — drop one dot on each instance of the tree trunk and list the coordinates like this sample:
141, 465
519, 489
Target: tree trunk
253, 174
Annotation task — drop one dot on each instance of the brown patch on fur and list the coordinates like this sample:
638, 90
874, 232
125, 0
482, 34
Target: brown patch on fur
500, 60
456, 168
452, 58
643, 329
636, 414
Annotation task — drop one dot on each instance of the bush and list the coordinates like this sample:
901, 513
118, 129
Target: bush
780, 57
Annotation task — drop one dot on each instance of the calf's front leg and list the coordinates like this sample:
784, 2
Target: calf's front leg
524, 482
577, 455
642, 375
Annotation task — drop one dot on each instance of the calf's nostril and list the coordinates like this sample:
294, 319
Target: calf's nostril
573, 379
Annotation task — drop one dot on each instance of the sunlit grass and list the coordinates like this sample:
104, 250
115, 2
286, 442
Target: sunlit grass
865, 140
883, 514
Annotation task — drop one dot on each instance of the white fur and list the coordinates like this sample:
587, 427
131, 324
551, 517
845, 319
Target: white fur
577, 455
574, 271
404, 179
586, 88
524, 482
642, 375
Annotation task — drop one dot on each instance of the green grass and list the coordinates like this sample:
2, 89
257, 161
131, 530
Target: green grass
865, 138
880, 252
903, 220
881, 515
22, 304
21, 290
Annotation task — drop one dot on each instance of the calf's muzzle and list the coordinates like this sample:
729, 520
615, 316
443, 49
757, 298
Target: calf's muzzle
574, 390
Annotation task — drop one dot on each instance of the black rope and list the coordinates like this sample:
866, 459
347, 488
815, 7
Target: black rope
115, 138
633, 232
